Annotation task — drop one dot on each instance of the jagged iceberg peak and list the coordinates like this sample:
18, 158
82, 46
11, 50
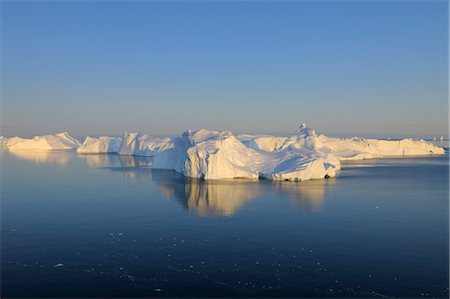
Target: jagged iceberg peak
304, 138
305, 131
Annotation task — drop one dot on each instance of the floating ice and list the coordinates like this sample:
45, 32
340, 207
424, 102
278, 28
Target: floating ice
60, 141
349, 148
221, 155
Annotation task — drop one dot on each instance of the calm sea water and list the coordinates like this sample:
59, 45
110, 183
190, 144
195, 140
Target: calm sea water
109, 226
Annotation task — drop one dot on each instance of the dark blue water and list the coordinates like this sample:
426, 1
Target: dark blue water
109, 226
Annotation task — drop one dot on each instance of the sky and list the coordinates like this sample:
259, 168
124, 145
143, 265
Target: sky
366, 68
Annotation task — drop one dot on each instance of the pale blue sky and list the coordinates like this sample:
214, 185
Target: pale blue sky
345, 67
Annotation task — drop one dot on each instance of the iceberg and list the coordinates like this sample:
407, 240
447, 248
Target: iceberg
263, 142
220, 155
100, 145
136, 144
60, 141
360, 148
210, 155
347, 148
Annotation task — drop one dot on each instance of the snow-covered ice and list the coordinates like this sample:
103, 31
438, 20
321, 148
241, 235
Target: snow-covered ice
347, 148
60, 141
220, 155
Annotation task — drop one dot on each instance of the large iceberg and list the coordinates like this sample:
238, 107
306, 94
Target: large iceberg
360, 148
220, 155
136, 144
60, 141
346, 148
100, 145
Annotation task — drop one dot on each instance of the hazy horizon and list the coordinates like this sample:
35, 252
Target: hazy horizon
370, 69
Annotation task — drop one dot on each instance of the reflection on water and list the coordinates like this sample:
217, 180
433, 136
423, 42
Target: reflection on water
206, 198
226, 197
120, 229
51, 157
134, 161
306, 196
133, 167
103, 160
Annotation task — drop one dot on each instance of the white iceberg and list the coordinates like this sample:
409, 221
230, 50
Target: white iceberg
220, 155
303, 156
347, 148
60, 141
135, 144
99, 145
360, 148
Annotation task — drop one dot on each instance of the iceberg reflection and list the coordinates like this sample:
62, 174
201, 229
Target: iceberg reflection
134, 167
40, 157
226, 197
307, 196
99, 160
206, 198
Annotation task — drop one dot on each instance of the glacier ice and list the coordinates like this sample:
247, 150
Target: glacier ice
136, 144
100, 145
209, 154
60, 141
348, 148
220, 155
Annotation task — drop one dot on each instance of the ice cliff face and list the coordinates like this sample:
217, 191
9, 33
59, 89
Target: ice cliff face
100, 145
135, 144
208, 154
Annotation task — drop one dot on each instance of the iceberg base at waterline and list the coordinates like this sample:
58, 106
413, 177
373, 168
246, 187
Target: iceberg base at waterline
213, 155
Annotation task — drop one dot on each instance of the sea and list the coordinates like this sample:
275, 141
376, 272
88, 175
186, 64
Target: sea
104, 225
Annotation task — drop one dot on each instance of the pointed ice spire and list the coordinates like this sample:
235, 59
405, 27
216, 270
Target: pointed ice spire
306, 131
